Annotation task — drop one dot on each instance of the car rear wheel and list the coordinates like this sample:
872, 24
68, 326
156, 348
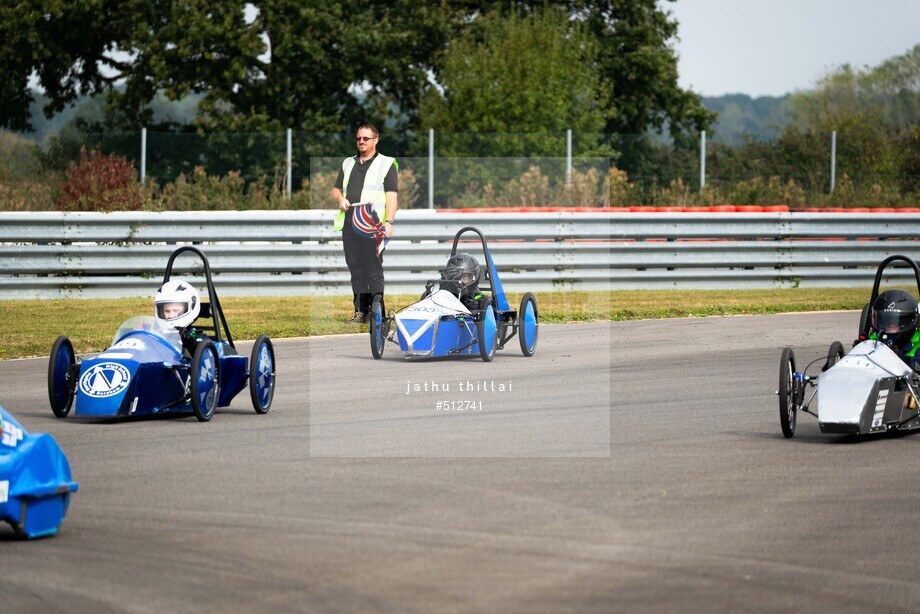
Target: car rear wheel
788, 393
262, 374
205, 374
487, 332
528, 324
61, 376
834, 354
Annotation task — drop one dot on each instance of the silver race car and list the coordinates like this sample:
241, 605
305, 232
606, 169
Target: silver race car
871, 389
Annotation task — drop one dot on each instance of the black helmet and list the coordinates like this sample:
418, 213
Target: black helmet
894, 313
462, 271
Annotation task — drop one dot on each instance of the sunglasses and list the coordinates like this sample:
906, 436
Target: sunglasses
362, 139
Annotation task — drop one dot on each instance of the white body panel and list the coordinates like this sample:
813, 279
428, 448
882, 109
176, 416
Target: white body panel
414, 321
844, 389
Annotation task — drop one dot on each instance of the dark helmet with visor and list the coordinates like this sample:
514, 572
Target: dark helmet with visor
894, 313
462, 271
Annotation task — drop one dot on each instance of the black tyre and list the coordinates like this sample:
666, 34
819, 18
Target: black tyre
528, 324
788, 393
834, 354
62, 376
205, 374
378, 327
262, 374
863, 324
487, 332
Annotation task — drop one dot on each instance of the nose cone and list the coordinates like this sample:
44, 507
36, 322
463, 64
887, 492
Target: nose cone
103, 386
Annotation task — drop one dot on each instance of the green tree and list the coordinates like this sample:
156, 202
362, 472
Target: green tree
515, 73
85, 47
334, 65
638, 68
509, 85
322, 67
873, 111
889, 92
65, 45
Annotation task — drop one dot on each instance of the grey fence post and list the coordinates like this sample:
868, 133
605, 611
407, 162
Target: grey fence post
833, 159
143, 155
289, 165
431, 168
568, 158
702, 160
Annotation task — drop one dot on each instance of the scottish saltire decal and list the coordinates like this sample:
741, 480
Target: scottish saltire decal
265, 367
104, 380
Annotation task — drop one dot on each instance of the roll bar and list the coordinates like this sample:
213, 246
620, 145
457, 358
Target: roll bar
217, 313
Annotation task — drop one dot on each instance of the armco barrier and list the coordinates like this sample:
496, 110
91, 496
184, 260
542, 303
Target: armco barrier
53, 255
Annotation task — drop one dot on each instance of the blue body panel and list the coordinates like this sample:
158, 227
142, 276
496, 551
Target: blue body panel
35, 480
453, 334
234, 374
142, 373
498, 291
140, 365
449, 334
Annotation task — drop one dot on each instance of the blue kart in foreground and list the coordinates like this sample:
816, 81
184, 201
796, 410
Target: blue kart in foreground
441, 325
35, 481
147, 371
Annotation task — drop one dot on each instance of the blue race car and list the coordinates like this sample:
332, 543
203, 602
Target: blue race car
149, 369
441, 324
35, 481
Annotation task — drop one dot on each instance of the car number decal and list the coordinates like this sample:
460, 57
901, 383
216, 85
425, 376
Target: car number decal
130, 344
880, 408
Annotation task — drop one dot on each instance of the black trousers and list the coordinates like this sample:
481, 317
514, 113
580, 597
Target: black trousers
365, 267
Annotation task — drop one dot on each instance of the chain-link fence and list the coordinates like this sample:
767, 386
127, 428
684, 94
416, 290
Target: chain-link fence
296, 169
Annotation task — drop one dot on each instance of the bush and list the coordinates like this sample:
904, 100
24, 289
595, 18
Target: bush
101, 183
320, 188
18, 158
621, 190
533, 189
408, 189
26, 196
317, 191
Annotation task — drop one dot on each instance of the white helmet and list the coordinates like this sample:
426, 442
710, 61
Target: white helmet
177, 303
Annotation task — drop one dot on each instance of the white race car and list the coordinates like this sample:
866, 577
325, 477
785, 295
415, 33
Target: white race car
871, 389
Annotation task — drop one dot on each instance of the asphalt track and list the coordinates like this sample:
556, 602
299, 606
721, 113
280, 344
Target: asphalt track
697, 504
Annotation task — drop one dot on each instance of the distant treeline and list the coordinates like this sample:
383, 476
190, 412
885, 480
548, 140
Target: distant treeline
739, 116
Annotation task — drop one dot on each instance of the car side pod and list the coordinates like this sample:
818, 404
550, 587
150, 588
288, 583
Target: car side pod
861, 394
35, 480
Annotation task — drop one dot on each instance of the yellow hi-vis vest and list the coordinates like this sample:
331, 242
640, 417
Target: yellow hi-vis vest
373, 186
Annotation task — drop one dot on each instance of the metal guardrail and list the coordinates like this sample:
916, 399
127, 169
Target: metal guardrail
53, 255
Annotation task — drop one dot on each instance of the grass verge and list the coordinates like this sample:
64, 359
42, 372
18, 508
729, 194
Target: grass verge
28, 328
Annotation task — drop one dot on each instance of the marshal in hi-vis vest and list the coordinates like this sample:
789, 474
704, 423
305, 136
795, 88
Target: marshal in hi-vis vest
373, 186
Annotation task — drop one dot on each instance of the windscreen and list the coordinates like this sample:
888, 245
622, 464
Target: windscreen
151, 325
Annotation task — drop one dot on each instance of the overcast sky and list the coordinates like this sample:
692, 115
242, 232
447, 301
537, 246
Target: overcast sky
772, 47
